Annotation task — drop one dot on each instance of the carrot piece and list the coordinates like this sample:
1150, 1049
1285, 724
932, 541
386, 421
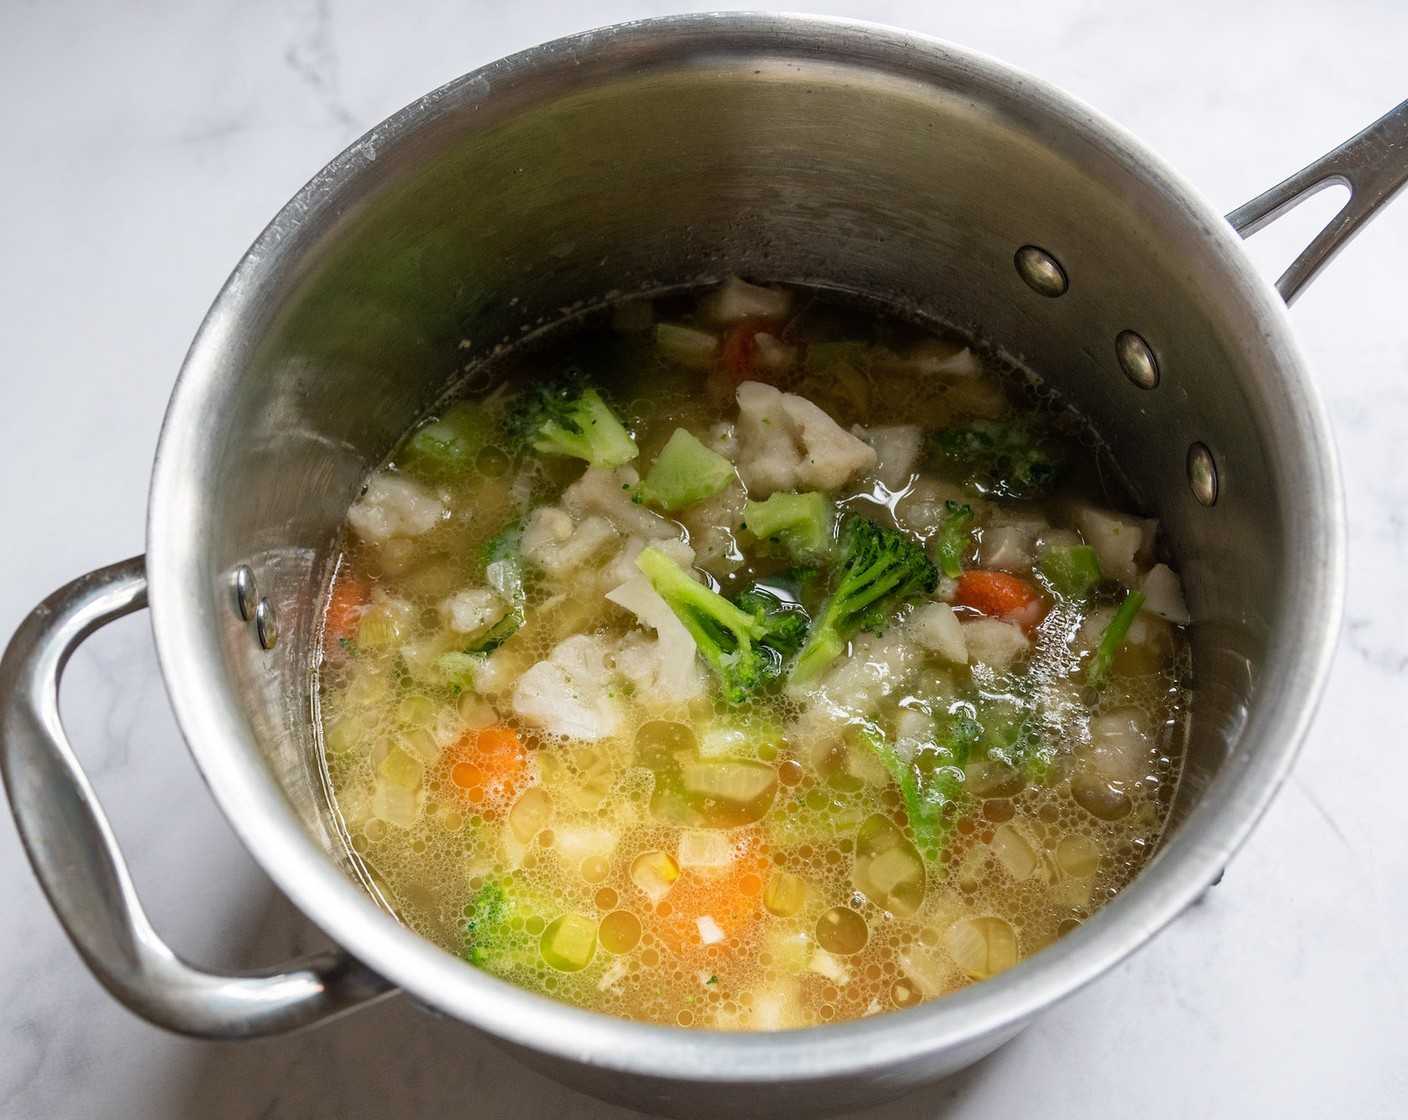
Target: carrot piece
739, 358
487, 768
348, 601
999, 595
730, 897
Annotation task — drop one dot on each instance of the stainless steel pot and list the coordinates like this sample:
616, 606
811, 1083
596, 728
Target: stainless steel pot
649, 156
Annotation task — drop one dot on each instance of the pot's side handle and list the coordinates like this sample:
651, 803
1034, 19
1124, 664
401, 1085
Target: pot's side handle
1373, 165
77, 861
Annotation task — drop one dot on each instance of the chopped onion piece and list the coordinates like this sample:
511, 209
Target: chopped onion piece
705, 849
709, 931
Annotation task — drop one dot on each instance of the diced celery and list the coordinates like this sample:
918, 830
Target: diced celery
785, 894
1070, 571
376, 630
888, 869
569, 943
801, 523
343, 734
400, 768
685, 345
655, 873
684, 472
396, 804
459, 668
753, 736
736, 781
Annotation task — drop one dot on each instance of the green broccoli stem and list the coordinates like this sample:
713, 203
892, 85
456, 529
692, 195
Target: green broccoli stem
1112, 637
727, 637
880, 568
953, 540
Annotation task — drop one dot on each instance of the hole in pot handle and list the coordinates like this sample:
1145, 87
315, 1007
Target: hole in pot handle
75, 855
1373, 165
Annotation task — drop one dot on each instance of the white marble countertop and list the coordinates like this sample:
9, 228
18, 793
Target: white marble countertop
145, 146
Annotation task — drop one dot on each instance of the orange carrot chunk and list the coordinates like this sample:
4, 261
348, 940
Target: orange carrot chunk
999, 595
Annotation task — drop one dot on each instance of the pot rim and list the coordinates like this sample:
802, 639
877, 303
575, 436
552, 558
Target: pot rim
1188, 861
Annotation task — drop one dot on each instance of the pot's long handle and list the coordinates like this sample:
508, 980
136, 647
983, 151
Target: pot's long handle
1373, 165
77, 861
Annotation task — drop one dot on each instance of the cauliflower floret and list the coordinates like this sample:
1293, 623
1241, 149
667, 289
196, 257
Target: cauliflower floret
993, 642
473, 610
559, 546
607, 493
1118, 541
571, 693
787, 443
666, 671
623, 567
712, 524
1163, 594
896, 449
392, 506
854, 685
934, 626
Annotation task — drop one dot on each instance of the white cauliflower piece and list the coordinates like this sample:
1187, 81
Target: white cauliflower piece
392, 506
993, 642
1163, 594
665, 671
737, 300
607, 493
571, 693
473, 610
712, 524
1117, 540
935, 627
876, 668
896, 450
559, 546
787, 443
623, 567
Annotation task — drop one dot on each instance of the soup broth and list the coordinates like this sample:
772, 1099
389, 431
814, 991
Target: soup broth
750, 660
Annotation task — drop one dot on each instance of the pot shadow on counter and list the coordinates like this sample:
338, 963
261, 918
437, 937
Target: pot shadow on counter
394, 1060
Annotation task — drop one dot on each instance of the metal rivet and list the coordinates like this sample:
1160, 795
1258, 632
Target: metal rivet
1202, 474
246, 591
1137, 360
1042, 272
266, 622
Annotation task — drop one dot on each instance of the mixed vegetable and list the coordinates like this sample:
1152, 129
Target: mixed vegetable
765, 663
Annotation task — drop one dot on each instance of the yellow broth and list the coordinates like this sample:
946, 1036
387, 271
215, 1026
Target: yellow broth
896, 827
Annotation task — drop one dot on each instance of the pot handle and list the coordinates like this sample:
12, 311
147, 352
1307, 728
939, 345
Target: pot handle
75, 855
1373, 165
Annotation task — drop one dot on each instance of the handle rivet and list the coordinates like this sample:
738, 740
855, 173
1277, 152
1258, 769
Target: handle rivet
266, 623
1137, 360
246, 591
1042, 272
1202, 474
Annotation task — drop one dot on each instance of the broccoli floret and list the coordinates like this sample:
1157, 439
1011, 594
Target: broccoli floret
1017, 459
566, 417
931, 781
743, 645
786, 623
487, 932
450, 445
953, 539
879, 569
800, 523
